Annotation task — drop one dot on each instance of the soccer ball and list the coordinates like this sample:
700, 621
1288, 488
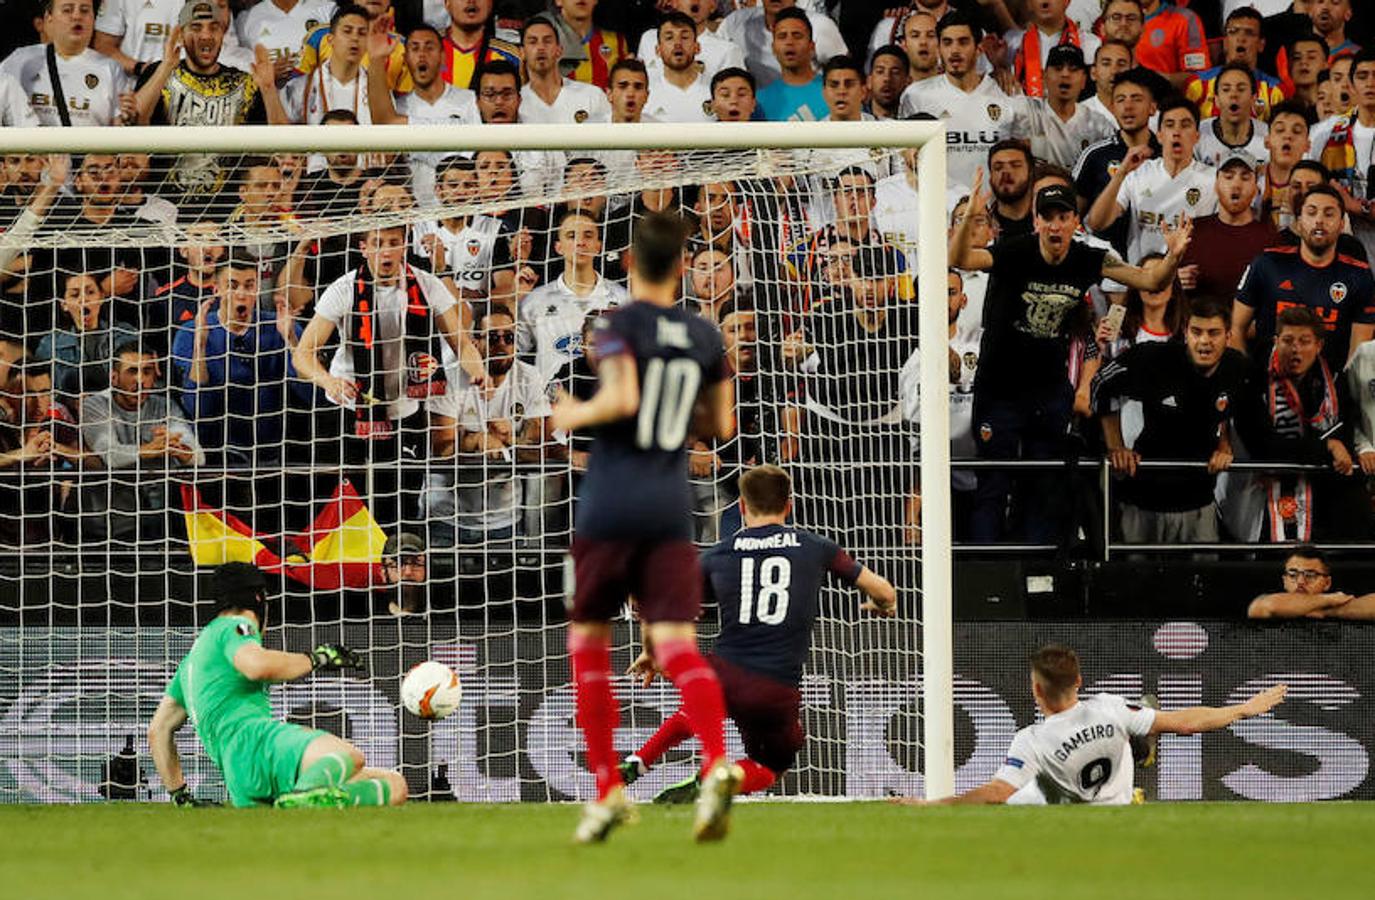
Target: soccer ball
431, 690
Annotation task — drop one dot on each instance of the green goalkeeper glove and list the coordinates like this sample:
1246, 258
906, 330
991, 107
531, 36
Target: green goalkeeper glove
333, 657
182, 797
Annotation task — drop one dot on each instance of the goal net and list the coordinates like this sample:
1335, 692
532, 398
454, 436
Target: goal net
153, 424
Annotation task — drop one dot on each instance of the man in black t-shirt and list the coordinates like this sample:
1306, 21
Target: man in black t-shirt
1187, 392
1036, 305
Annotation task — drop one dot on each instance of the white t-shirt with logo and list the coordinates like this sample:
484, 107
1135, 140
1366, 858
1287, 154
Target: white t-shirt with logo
669, 103
974, 121
1211, 151
467, 252
714, 53
336, 305
1054, 139
576, 103
91, 82
1151, 196
308, 97
551, 317
141, 25
1081, 755
282, 33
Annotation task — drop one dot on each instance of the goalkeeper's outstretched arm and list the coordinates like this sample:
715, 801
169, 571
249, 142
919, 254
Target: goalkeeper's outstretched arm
1198, 719
257, 663
167, 721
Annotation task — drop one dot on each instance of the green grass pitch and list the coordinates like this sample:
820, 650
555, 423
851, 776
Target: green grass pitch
858, 851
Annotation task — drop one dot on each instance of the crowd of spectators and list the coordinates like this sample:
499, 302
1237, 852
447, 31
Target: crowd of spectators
1170, 263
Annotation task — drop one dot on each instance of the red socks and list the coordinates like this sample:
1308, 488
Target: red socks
702, 703
598, 711
674, 731
757, 777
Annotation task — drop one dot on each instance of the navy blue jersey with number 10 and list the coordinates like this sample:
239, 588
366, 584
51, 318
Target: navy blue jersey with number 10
767, 581
636, 487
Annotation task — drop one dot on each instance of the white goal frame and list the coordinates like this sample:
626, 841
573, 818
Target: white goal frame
932, 261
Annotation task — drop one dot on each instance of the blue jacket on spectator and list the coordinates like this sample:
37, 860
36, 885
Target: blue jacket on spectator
241, 408
81, 359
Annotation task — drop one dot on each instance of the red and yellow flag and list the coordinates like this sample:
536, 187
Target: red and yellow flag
342, 547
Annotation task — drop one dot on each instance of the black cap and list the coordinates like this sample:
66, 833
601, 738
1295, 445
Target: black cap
240, 585
877, 261
404, 543
1066, 55
1056, 196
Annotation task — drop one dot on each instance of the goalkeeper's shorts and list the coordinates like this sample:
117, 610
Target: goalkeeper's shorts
263, 760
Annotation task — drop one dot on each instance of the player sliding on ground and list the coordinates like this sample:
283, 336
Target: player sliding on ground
222, 685
1080, 753
633, 529
767, 579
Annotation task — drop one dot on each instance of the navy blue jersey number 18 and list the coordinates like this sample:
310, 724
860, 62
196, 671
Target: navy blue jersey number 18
769, 605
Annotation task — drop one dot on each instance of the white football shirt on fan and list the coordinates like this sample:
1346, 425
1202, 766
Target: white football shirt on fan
747, 30
467, 252
669, 103
389, 316
551, 317
896, 212
1151, 196
1097, 107
714, 53
1081, 755
454, 106
141, 25
974, 121
576, 103
1211, 150
1054, 139
14, 105
282, 32
91, 82
308, 97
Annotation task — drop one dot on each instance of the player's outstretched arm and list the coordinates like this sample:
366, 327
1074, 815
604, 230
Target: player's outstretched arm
994, 792
257, 663
1210, 718
617, 397
883, 597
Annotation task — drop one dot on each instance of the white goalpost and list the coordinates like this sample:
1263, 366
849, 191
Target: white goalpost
107, 557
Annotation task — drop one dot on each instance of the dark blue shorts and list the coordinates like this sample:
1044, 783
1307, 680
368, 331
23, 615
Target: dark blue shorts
663, 576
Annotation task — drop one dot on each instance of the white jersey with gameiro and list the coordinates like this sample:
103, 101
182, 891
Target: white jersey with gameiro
1081, 755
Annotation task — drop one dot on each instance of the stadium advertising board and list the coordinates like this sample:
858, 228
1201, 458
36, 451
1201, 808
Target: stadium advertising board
70, 698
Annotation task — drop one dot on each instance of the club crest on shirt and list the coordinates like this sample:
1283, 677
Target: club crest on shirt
995, 112
985, 432
580, 116
92, 79
1192, 196
474, 246
1337, 292
605, 50
1222, 402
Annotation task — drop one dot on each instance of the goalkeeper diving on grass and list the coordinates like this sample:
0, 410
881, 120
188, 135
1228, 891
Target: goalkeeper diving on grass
221, 688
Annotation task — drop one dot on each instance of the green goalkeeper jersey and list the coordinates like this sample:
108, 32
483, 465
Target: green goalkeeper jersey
219, 699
